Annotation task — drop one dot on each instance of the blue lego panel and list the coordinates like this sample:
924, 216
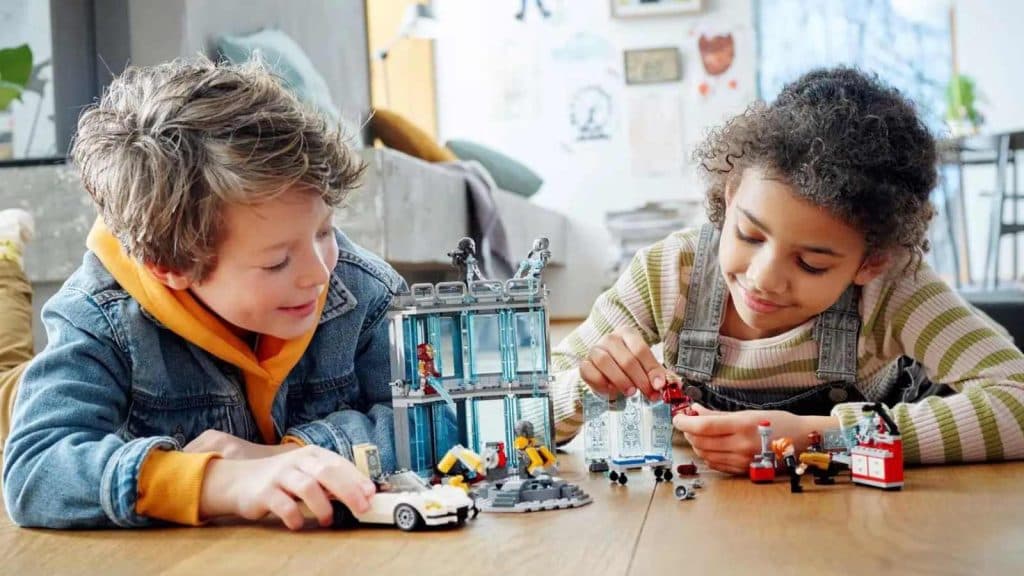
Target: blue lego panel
421, 443
484, 337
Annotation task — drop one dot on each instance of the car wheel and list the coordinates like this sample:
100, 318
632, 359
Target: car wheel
407, 518
613, 476
623, 479
342, 516
667, 476
681, 492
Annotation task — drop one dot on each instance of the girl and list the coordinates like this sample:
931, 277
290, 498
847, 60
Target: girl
806, 293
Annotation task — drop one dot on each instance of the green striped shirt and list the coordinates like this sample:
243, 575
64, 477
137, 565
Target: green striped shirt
903, 312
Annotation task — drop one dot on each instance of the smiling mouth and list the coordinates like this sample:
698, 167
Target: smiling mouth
756, 303
300, 309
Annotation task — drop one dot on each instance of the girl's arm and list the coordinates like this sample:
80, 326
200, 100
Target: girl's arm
922, 317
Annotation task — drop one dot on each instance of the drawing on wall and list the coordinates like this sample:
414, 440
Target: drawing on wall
717, 53
653, 65
912, 54
716, 43
590, 113
540, 8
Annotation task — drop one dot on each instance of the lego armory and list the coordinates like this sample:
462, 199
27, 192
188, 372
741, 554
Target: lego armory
474, 424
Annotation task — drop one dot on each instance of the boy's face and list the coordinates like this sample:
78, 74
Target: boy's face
275, 260
784, 259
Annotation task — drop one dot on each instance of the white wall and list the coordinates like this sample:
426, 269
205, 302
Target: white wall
511, 84
989, 51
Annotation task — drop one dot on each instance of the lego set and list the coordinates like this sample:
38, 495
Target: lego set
469, 373
872, 451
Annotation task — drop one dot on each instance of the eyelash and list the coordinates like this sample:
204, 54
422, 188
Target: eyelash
803, 265
278, 267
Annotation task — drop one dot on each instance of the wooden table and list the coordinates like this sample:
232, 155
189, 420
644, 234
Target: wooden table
947, 520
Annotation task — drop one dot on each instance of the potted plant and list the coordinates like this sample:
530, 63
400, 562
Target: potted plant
15, 74
962, 113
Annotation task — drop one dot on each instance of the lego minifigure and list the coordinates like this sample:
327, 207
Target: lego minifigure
786, 453
673, 395
427, 370
535, 261
464, 258
822, 466
534, 458
814, 442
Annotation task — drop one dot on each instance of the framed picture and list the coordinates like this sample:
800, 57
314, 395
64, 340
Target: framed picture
630, 8
653, 65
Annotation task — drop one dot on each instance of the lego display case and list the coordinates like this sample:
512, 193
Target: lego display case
626, 434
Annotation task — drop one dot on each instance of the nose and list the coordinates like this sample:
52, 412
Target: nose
766, 273
316, 270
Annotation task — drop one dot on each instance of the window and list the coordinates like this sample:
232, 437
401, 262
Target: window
27, 127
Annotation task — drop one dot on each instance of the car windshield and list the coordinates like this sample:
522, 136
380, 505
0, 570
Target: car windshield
406, 482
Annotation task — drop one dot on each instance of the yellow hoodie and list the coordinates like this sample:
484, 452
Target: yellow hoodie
170, 483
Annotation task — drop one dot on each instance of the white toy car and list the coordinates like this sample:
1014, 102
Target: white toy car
408, 502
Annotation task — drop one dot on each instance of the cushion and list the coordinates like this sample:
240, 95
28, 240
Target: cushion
508, 173
289, 61
396, 131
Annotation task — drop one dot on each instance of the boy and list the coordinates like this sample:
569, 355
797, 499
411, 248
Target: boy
222, 347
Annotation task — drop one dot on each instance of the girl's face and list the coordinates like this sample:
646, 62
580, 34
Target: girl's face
784, 259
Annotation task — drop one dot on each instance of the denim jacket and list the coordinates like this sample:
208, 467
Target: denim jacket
113, 384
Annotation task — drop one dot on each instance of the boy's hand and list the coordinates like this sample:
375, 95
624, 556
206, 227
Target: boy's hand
233, 447
622, 363
309, 475
728, 441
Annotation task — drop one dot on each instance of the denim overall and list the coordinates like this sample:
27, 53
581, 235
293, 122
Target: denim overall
836, 331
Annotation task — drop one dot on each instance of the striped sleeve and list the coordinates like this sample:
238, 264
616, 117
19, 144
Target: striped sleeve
642, 299
922, 317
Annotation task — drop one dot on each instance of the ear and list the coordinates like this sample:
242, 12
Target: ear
872, 267
169, 278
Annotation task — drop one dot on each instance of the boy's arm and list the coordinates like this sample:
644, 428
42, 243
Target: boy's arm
373, 420
64, 464
642, 299
922, 317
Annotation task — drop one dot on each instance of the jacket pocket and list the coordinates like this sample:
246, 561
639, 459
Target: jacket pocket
186, 417
315, 400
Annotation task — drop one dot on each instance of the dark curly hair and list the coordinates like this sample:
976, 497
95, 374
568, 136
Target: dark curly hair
845, 141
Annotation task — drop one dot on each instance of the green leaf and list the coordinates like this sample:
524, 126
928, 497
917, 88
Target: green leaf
16, 65
8, 93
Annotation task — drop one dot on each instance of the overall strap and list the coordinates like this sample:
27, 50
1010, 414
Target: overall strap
705, 309
836, 331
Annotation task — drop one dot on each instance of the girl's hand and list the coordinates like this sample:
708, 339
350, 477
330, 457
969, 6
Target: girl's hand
622, 363
728, 441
